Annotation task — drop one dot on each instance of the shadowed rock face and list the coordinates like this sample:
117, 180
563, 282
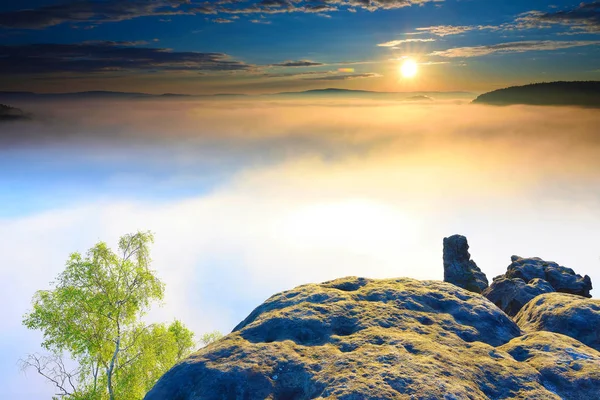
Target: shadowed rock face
361, 339
459, 269
526, 278
562, 279
568, 314
512, 294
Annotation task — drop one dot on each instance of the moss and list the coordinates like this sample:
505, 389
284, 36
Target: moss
362, 339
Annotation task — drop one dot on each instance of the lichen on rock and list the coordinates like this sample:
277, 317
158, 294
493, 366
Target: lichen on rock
571, 315
364, 339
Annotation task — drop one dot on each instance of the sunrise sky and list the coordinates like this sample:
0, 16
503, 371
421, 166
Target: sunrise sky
248, 196
253, 46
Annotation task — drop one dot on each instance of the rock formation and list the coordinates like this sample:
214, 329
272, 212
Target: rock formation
571, 315
567, 368
527, 278
459, 269
562, 279
362, 339
8, 113
512, 294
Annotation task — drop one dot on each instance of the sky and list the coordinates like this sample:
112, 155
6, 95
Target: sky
266, 46
249, 196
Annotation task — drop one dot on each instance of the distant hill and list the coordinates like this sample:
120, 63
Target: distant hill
8, 113
349, 93
585, 94
324, 92
329, 92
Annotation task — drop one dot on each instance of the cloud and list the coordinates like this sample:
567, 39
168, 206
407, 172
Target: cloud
308, 6
222, 21
299, 63
344, 77
394, 43
108, 56
297, 74
90, 12
96, 12
513, 47
447, 30
260, 21
584, 18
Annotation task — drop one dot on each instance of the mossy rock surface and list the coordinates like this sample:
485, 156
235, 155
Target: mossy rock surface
362, 339
571, 315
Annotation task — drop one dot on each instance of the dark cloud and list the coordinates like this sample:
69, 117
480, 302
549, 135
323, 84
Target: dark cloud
89, 12
94, 11
296, 74
299, 63
344, 77
108, 56
585, 18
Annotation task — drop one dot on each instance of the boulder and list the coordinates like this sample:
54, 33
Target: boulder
562, 279
568, 314
567, 367
512, 294
459, 269
363, 339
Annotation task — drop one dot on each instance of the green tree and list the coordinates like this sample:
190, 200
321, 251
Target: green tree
93, 315
210, 337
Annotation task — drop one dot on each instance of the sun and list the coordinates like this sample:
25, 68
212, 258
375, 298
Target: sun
409, 68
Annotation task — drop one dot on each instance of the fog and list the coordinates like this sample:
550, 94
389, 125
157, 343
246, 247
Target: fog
247, 198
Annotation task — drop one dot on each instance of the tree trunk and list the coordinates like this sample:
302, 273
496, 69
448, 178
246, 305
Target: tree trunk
110, 369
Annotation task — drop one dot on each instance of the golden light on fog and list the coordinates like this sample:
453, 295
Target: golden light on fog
357, 225
409, 68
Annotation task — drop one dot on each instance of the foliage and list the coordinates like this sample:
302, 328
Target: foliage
93, 314
210, 337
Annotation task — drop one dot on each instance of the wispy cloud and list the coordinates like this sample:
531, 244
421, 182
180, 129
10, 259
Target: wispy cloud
584, 18
94, 12
345, 77
299, 63
89, 12
394, 43
260, 21
513, 47
447, 30
109, 56
296, 74
222, 21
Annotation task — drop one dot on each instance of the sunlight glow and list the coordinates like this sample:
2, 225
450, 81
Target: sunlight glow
358, 225
409, 68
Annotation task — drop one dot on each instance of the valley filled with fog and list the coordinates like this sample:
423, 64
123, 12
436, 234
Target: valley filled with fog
250, 197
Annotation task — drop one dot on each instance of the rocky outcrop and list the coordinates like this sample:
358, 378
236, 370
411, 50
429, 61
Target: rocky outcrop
562, 279
567, 314
526, 278
566, 367
512, 294
8, 113
459, 269
362, 339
